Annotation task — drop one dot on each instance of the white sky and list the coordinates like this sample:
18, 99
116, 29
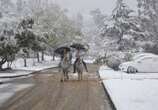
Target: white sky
84, 6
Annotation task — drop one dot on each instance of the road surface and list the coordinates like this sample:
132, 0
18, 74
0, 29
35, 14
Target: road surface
48, 93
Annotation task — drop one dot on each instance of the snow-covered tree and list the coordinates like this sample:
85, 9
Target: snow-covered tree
25, 37
148, 14
8, 47
32, 19
98, 17
124, 26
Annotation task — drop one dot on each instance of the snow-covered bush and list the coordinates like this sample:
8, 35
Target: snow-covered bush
113, 62
151, 48
127, 57
114, 59
100, 60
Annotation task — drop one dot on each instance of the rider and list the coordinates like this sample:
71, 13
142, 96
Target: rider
79, 55
65, 56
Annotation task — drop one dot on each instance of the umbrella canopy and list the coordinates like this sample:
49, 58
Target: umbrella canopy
61, 50
78, 46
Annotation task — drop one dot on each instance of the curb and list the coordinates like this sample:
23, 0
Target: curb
17, 76
109, 97
106, 92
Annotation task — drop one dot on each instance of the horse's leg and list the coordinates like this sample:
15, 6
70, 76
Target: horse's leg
81, 76
62, 77
67, 75
78, 75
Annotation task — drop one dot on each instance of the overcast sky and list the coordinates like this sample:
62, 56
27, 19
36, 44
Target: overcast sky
84, 6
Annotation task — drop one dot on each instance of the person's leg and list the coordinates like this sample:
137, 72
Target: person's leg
84, 63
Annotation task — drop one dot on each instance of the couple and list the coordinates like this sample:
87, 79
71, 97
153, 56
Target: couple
66, 63
79, 55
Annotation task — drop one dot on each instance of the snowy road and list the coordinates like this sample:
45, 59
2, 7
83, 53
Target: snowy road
48, 93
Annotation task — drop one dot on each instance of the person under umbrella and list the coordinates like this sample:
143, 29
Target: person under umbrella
62, 51
79, 55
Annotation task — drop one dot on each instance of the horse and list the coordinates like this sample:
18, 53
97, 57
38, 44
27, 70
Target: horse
79, 68
65, 66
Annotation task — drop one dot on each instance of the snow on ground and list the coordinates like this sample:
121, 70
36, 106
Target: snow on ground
90, 61
133, 94
131, 91
20, 70
36, 67
8, 90
33, 65
14, 73
107, 73
3, 80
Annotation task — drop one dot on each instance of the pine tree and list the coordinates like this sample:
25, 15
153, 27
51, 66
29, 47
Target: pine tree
25, 37
124, 26
8, 47
148, 14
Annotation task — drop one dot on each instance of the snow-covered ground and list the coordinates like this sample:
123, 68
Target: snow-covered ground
14, 73
20, 70
8, 90
107, 73
90, 61
37, 67
131, 91
33, 65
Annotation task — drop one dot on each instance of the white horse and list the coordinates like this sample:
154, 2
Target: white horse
65, 66
79, 68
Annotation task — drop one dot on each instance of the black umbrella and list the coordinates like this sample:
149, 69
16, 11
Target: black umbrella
78, 46
61, 50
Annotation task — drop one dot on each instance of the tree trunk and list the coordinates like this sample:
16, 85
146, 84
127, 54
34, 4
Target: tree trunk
2, 62
34, 59
42, 56
53, 56
0, 67
28, 55
38, 59
8, 65
25, 62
